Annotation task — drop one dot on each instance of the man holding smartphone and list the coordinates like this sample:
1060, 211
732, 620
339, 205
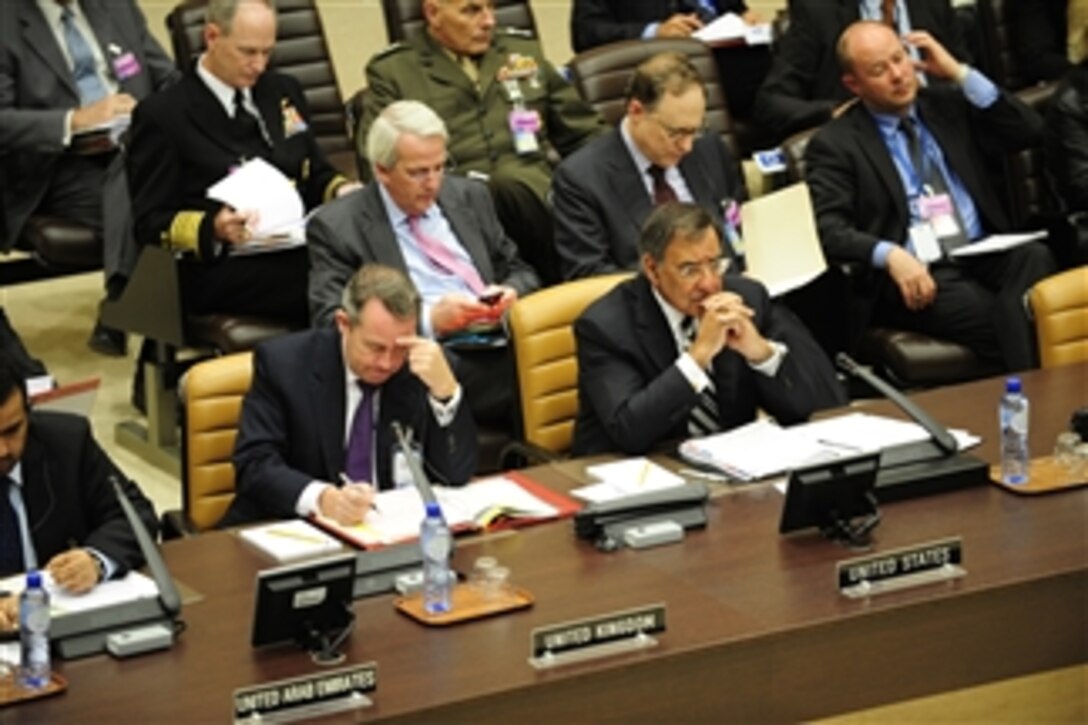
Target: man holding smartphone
444, 233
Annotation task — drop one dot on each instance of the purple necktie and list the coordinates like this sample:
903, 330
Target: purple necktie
441, 257
357, 463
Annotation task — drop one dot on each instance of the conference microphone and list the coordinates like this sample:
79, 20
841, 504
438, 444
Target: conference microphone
423, 485
168, 593
940, 435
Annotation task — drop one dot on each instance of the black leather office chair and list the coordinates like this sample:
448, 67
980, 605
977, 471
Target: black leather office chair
404, 18
301, 51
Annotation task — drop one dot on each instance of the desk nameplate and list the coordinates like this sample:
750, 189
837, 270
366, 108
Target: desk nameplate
932, 562
308, 696
596, 637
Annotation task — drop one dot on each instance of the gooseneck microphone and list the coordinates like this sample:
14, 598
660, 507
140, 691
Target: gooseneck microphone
940, 435
423, 484
168, 593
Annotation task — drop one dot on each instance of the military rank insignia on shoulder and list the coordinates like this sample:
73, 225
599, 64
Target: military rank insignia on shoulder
390, 50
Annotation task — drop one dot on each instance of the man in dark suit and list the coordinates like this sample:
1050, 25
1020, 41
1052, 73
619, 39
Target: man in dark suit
66, 67
407, 149
1038, 36
316, 432
58, 509
508, 111
741, 68
803, 89
603, 193
900, 180
684, 349
226, 111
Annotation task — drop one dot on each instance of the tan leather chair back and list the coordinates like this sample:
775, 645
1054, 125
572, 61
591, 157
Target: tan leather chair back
601, 76
541, 327
213, 406
1060, 306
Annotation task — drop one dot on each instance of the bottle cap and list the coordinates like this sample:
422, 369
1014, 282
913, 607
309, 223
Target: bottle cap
433, 509
1012, 384
34, 579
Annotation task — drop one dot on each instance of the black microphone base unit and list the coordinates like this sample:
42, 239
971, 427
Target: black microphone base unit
922, 478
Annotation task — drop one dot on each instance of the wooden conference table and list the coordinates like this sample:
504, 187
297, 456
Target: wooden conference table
756, 628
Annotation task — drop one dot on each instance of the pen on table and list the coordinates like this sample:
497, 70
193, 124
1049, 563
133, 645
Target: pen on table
643, 473
287, 534
348, 482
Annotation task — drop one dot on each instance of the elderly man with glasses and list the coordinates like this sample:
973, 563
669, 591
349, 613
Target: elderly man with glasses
603, 193
684, 349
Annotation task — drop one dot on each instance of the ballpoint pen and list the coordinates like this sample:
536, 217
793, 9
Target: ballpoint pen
348, 482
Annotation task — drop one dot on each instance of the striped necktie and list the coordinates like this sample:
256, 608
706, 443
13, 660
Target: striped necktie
444, 260
703, 419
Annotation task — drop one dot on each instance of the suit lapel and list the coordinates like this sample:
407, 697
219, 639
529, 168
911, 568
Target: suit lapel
441, 69
208, 115
271, 109
376, 230
39, 495
490, 64
872, 145
655, 337
628, 182
455, 207
327, 396
105, 33
41, 40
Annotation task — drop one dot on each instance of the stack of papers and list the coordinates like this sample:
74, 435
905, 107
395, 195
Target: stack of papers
260, 187
129, 588
289, 540
626, 478
732, 27
763, 448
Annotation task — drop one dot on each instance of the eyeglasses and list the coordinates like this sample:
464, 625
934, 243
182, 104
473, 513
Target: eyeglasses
676, 133
691, 271
421, 173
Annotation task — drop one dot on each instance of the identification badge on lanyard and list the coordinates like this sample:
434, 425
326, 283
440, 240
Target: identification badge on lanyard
524, 125
402, 473
924, 244
939, 211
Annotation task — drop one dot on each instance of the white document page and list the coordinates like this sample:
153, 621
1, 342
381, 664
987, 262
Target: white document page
259, 186
996, 243
782, 248
732, 27
857, 433
129, 588
757, 450
626, 478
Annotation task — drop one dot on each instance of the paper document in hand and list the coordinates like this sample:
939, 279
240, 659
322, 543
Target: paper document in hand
129, 588
259, 186
725, 27
626, 478
397, 513
782, 248
757, 450
996, 243
115, 128
289, 540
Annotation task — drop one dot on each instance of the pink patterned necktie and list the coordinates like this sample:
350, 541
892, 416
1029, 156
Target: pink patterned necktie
441, 257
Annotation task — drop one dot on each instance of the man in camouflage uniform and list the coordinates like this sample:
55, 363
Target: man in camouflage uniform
509, 113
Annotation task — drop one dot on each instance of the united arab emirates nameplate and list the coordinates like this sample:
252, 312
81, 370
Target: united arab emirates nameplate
307, 697
927, 563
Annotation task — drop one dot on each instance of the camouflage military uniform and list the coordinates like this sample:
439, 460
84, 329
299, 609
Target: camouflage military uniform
477, 115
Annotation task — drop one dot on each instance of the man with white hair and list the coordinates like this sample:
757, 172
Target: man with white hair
444, 233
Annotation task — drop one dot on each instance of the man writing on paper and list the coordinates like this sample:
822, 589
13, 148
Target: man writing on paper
900, 181
67, 68
316, 433
684, 349
444, 234
226, 110
604, 192
58, 509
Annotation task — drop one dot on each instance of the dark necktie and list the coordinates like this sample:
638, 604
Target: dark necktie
663, 191
11, 535
930, 175
703, 419
246, 125
887, 13
443, 259
90, 86
358, 461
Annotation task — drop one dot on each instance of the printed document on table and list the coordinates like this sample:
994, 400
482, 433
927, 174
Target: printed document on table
757, 450
996, 243
129, 588
857, 433
259, 186
628, 477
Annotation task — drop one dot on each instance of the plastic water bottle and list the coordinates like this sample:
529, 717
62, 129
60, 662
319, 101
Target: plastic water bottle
34, 669
437, 543
1013, 415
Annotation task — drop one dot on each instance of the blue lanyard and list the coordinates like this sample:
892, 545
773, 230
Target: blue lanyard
916, 186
